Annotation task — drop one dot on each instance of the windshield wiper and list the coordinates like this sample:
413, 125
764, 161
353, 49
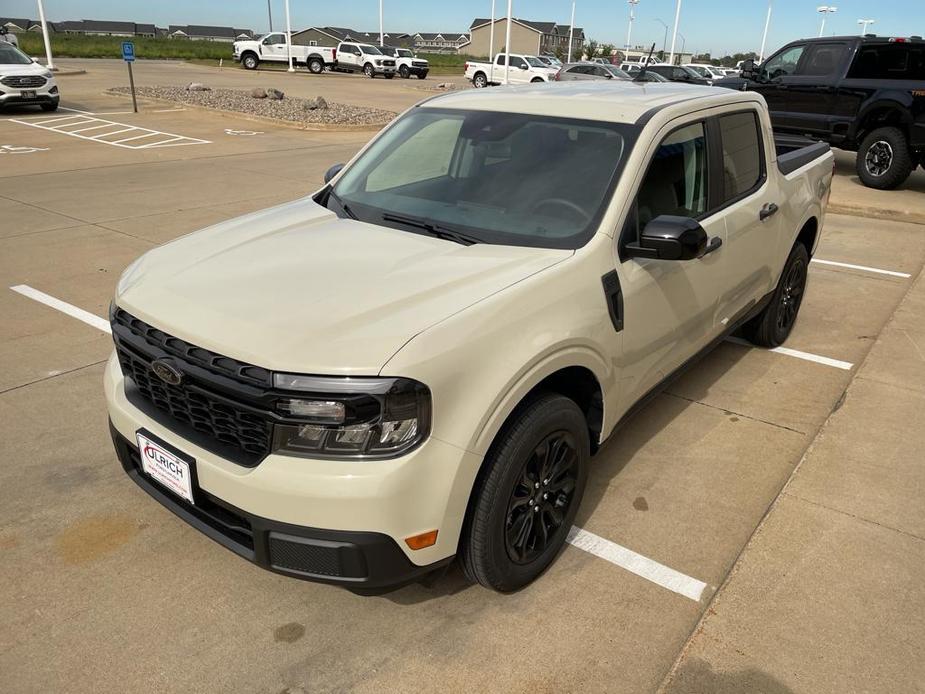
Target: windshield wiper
438, 230
343, 205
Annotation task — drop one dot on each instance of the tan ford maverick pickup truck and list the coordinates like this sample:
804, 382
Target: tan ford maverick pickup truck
419, 361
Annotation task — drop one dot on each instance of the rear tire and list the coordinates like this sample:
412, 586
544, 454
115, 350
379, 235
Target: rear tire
538, 461
404, 72
479, 81
884, 159
249, 61
315, 66
772, 326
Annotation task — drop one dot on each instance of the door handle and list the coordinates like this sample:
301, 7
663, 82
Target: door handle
768, 210
714, 245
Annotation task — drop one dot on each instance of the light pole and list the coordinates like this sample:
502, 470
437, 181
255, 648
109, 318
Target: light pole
664, 40
51, 65
683, 43
764, 37
381, 33
491, 45
289, 37
629, 31
507, 44
270, 15
864, 23
571, 28
825, 11
674, 35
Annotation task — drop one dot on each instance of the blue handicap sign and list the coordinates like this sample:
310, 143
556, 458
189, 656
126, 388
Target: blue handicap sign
128, 51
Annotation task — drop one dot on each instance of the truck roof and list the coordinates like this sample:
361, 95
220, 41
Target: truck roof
614, 101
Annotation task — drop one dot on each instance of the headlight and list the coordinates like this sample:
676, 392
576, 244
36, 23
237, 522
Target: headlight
351, 418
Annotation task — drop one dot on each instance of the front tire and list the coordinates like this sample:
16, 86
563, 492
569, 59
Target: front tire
884, 159
368, 71
772, 326
537, 79
404, 72
480, 81
527, 494
250, 61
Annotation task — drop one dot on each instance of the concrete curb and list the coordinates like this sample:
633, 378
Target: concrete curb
67, 73
877, 213
318, 127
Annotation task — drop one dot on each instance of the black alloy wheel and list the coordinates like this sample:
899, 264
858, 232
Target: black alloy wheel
541, 497
772, 326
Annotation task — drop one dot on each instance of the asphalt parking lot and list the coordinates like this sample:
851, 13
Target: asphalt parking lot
753, 487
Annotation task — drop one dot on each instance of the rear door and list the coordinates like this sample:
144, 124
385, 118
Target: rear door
670, 307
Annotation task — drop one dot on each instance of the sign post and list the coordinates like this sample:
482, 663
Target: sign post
128, 55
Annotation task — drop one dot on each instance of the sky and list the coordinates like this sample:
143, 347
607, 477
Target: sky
715, 26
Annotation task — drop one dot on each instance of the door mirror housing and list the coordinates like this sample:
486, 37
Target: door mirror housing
748, 70
332, 172
670, 238
523, 67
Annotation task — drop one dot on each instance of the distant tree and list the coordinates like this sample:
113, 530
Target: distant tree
702, 58
559, 52
607, 51
592, 48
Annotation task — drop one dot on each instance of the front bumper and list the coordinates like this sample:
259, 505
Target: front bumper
12, 96
337, 522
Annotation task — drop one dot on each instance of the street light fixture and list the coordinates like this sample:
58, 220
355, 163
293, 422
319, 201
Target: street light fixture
825, 11
683, 43
629, 31
864, 23
664, 40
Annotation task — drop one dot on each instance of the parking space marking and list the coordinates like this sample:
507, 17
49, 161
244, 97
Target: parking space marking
635, 563
76, 125
64, 307
807, 356
891, 273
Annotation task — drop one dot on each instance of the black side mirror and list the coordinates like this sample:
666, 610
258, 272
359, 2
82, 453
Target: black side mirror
748, 69
670, 238
332, 172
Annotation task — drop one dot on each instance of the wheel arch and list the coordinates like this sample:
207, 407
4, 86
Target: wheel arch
809, 235
884, 112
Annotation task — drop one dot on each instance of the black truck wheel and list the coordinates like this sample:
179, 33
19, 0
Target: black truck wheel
404, 72
772, 326
884, 159
527, 494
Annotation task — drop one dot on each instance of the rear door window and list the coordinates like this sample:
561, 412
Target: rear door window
822, 59
742, 154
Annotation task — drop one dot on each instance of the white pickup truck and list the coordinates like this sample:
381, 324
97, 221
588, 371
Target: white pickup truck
419, 361
524, 69
365, 58
273, 48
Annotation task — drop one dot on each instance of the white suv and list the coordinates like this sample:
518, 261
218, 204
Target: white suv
23, 82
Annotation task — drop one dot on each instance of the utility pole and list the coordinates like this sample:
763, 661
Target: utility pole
629, 31
864, 23
491, 45
507, 44
289, 37
51, 65
571, 29
825, 11
270, 15
674, 35
764, 37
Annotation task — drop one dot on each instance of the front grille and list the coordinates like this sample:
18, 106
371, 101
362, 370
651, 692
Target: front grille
218, 397
388, 63
24, 81
419, 63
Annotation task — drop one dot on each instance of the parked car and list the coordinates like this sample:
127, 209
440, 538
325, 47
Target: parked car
362, 57
418, 361
406, 61
678, 73
23, 82
550, 61
708, 72
864, 94
590, 71
523, 69
633, 70
273, 48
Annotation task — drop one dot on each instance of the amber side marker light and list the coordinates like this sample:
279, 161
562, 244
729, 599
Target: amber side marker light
423, 540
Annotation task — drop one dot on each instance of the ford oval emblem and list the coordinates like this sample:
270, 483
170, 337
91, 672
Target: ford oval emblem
167, 372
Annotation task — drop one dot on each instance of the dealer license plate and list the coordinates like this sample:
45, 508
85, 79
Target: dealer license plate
165, 468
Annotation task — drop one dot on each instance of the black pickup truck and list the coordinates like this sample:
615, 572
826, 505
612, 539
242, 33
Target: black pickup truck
859, 93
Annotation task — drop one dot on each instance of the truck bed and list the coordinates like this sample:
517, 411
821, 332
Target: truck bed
795, 151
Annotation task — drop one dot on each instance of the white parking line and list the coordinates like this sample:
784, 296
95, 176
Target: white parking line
64, 307
636, 563
75, 125
891, 273
807, 356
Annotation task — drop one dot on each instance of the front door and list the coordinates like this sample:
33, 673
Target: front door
811, 89
769, 82
670, 307
274, 46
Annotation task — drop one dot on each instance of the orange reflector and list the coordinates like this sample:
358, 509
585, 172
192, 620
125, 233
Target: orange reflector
423, 540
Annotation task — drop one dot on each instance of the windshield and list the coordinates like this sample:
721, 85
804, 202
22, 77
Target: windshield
701, 71
370, 50
617, 72
502, 178
534, 62
10, 55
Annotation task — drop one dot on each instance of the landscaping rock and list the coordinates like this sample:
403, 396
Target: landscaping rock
197, 87
275, 94
446, 85
315, 103
258, 93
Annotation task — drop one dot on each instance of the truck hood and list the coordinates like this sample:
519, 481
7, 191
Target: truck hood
294, 288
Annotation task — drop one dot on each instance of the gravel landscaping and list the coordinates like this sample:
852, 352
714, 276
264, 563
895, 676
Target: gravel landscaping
292, 109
